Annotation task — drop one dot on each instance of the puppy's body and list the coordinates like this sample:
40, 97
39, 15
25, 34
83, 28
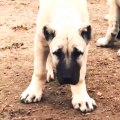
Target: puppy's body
113, 31
63, 32
62, 14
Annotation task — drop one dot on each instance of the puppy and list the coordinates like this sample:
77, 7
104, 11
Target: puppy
113, 31
61, 42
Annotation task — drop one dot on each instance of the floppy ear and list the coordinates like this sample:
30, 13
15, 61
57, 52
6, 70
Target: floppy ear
48, 32
86, 32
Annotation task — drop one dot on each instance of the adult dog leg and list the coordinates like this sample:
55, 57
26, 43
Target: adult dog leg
113, 27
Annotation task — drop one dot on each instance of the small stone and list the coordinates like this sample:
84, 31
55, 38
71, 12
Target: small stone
99, 93
10, 105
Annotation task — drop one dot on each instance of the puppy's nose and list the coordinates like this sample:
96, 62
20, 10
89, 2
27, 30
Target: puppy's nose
67, 79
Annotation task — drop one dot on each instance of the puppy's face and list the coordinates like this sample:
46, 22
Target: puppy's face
67, 48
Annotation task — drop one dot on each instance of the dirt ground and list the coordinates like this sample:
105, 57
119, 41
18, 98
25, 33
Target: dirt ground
17, 29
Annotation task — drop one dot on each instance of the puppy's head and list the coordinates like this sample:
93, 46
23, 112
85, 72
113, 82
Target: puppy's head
68, 49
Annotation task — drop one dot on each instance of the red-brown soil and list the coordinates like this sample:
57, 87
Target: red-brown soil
17, 30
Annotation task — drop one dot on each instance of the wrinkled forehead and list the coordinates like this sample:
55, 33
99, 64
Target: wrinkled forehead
67, 30
68, 40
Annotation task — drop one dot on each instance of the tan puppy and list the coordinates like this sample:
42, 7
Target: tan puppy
113, 31
63, 32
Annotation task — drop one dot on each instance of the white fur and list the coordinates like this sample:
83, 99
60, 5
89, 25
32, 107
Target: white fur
80, 97
114, 24
79, 93
35, 89
57, 14
49, 68
102, 42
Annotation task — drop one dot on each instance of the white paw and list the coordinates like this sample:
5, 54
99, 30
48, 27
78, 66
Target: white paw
118, 53
32, 94
50, 75
83, 103
101, 42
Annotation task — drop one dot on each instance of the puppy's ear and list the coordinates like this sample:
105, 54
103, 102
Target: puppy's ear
49, 33
85, 32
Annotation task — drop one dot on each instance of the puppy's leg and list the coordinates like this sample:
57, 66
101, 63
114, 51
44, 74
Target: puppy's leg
34, 91
80, 98
49, 68
113, 28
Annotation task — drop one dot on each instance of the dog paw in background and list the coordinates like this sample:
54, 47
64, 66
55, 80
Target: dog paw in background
101, 42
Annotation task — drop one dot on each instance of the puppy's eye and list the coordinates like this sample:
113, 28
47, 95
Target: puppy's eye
76, 53
58, 53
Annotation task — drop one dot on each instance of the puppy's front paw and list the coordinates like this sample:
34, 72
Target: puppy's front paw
32, 94
83, 103
118, 53
101, 42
